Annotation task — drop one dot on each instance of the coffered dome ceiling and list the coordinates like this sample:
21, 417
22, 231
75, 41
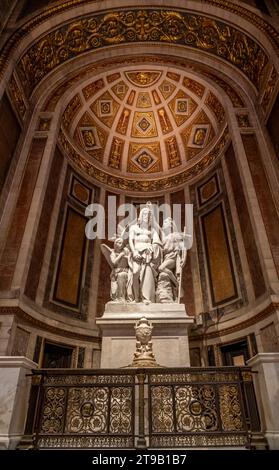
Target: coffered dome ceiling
143, 122
156, 122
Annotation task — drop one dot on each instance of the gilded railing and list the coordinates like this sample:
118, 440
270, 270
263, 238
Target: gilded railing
199, 408
191, 407
83, 409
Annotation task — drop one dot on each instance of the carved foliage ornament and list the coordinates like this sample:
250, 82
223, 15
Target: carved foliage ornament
123, 27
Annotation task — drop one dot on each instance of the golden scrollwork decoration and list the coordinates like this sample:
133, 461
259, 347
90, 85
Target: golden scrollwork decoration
214, 104
162, 409
201, 414
194, 86
78, 380
85, 442
232, 94
188, 409
194, 440
145, 26
53, 410
95, 410
87, 410
71, 110
196, 409
120, 410
230, 408
194, 377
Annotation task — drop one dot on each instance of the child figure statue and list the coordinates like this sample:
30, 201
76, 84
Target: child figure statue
120, 279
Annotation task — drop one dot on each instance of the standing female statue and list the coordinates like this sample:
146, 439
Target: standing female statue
145, 246
148, 267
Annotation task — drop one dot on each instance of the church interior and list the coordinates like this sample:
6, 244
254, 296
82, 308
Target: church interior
171, 102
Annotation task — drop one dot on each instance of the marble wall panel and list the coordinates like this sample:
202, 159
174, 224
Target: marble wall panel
219, 262
266, 202
19, 218
43, 227
245, 224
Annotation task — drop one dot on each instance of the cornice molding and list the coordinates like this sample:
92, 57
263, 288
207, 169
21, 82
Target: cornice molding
19, 313
22, 315
239, 327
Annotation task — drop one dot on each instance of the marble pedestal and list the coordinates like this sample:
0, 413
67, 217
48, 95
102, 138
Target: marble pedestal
169, 337
14, 395
266, 382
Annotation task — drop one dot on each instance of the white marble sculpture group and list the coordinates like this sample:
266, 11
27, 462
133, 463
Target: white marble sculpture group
147, 263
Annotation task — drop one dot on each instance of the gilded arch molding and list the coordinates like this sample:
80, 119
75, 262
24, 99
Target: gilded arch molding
141, 26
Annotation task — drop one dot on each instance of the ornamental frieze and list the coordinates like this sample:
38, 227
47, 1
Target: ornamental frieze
144, 26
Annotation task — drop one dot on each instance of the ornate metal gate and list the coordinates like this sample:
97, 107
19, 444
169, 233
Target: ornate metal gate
197, 409
193, 407
83, 409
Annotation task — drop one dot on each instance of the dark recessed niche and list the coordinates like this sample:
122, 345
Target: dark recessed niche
57, 356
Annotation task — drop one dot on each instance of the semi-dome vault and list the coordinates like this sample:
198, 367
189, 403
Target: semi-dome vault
143, 120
